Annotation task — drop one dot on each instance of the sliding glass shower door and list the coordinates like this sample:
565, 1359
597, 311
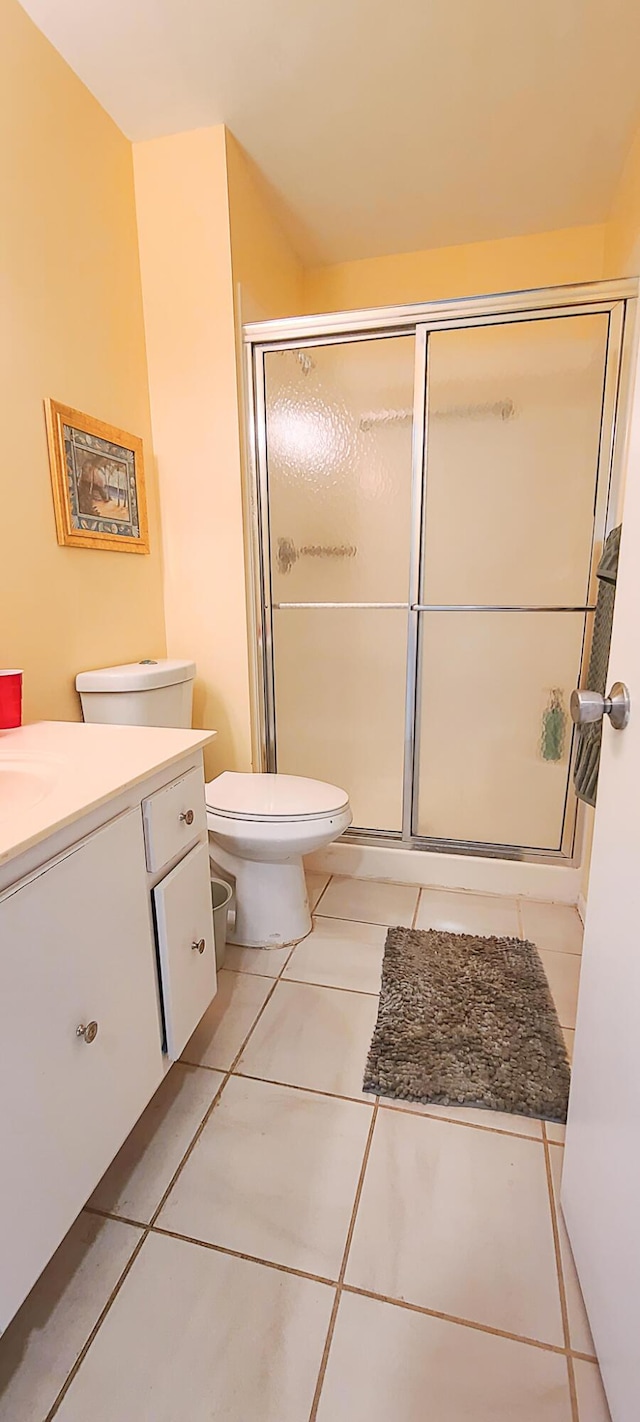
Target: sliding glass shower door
432, 503
514, 417
338, 426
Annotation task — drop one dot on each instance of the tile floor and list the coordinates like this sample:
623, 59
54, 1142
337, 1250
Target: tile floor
272, 1245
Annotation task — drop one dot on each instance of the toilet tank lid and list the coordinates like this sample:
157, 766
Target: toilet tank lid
136, 676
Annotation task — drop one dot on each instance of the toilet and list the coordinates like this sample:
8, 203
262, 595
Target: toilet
260, 826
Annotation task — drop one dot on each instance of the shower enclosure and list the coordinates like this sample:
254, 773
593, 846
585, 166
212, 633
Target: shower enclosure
431, 489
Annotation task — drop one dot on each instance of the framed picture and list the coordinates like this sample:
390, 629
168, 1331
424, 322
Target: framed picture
97, 476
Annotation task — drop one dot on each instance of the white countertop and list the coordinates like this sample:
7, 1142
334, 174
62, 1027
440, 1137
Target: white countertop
53, 772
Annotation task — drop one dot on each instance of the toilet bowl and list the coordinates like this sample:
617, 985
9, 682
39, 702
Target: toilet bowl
260, 826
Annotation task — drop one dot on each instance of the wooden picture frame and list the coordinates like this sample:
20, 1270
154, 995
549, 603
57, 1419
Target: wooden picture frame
97, 479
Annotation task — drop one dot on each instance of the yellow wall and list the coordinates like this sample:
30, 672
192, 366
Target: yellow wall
268, 275
185, 255
510, 264
72, 329
622, 245
208, 233
268, 281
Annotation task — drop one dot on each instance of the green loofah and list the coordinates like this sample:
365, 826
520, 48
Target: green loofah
554, 727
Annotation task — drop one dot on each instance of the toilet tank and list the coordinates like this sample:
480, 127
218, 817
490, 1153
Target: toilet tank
148, 693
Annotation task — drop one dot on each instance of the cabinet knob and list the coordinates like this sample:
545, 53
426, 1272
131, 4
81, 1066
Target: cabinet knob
187, 817
198, 945
89, 1032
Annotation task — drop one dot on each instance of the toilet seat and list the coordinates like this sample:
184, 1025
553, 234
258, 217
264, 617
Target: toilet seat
264, 798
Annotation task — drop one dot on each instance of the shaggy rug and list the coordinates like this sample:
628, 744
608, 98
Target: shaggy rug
467, 1021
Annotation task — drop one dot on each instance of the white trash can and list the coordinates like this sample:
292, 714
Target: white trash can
221, 894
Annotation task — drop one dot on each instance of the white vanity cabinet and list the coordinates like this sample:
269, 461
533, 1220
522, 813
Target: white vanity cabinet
105, 970
77, 952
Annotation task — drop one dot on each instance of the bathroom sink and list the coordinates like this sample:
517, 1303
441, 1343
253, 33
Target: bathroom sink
24, 782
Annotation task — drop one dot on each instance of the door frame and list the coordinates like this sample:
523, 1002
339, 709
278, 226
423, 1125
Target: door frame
616, 298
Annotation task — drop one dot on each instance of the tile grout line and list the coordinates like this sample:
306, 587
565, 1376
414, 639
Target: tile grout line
331, 987
320, 896
561, 1287
416, 910
370, 922
310, 1090
148, 1228
455, 1319
386, 1105
96, 1328
343, 1269
227, 1076
455, 892
252, 972
108, 1215
240, 1254
521, 932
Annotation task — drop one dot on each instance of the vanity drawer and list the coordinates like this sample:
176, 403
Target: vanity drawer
174, 818
184, 928
77, 948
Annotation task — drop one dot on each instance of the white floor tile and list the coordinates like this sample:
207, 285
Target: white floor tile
458, 1221
555, 926
135, 1183
592, 1403
44, 1340
340, 953
579, 1330
563, 974
266, 962
200, 1335
316, 885
313, 1036
387, 1362
468, 913
370, 901
555, 1132
219, 1036
274, 1174
473, 1116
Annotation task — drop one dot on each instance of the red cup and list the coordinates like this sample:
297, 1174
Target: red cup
10, 699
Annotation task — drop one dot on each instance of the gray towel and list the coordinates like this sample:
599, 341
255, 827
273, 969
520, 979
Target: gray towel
587, 761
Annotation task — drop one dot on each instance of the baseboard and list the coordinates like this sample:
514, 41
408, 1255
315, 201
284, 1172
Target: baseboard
581, 905
552, 882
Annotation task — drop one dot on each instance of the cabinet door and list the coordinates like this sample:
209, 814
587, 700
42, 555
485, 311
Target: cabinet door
184, 923
77, 947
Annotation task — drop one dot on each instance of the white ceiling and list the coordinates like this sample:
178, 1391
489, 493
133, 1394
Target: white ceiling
383, 125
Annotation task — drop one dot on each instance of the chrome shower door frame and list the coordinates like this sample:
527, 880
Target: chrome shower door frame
618, 299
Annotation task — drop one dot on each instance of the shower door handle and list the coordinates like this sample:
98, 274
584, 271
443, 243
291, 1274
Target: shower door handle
587, 706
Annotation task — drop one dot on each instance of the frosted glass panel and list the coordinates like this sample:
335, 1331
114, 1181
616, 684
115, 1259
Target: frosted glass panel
339, 687
495, 697
339, 420
513, 434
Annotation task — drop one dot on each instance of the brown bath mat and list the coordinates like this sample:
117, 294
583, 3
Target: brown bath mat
467, 1021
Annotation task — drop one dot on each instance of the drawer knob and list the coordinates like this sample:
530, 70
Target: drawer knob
89, 1032
187, 817
198, 945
